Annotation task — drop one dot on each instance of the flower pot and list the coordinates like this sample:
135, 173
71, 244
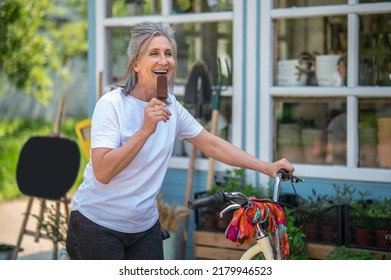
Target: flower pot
368, 147
170, 246
223, 222
6, 251
384, 154
313, 145
209, 221
383, 238
384, 138
384, 125
368, 155
329, 233
363, 237
312, 232
326, 70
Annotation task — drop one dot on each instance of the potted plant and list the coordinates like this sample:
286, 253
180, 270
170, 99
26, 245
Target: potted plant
378, 213
344, 195
333, 224
369, 222
296, 236
6, 251
314, 208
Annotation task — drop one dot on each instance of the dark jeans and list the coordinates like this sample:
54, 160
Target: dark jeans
88, 241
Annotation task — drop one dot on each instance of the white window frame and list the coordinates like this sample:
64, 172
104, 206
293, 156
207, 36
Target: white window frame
352, 92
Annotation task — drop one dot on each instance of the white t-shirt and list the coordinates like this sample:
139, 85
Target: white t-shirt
128, 202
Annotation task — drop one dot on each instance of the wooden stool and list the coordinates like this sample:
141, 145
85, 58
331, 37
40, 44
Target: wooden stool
37, 234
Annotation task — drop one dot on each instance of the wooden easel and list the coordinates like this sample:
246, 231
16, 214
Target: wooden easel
37, 234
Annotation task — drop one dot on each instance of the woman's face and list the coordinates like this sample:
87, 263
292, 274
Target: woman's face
157, 59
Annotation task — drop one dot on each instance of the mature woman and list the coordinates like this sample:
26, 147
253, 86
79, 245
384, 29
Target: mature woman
114, 212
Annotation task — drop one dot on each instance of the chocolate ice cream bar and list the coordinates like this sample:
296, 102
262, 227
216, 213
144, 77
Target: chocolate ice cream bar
162, 87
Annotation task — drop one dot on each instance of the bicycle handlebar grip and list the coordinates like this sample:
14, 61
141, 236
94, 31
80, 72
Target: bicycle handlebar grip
216, 198
286, 176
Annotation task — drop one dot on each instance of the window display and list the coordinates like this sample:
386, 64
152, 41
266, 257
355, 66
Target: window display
311, 131
313, 52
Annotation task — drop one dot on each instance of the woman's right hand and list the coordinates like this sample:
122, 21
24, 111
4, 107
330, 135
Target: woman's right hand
155, 112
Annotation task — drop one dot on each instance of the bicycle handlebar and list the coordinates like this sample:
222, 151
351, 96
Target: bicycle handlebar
284, 175
216, 198
220, 196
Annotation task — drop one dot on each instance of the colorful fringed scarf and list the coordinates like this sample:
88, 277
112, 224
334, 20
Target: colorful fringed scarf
241, 229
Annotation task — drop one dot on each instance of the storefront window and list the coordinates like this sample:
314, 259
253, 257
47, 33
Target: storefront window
375, 132
311, 124
305, 56
311, 131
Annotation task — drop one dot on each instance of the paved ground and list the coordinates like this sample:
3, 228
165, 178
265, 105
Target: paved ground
11, 217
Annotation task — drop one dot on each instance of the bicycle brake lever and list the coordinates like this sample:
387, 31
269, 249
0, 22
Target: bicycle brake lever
229, 208
236, 198
296, 179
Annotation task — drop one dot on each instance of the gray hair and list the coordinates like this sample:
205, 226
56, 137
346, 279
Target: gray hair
140, 34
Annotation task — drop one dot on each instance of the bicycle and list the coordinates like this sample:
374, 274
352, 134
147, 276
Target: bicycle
262, 219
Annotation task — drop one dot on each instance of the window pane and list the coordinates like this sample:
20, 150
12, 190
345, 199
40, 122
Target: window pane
183, 6
125, 8
375, 132
191, 6
311, 131
311, 51
206, 42
306, 3
224, 130
375, 50
119, 40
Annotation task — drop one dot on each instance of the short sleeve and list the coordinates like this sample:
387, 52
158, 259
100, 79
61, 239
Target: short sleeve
105, 130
